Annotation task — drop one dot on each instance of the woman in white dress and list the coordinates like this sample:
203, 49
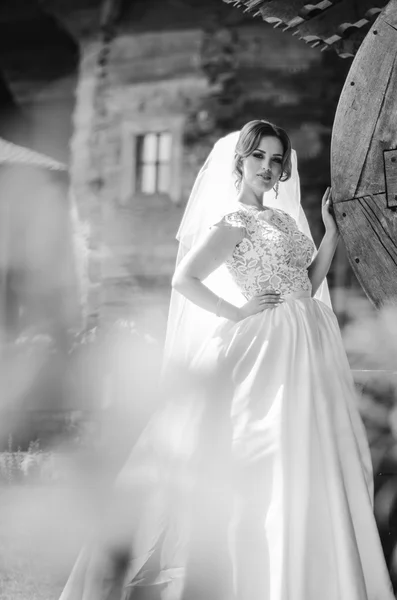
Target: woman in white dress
257, 473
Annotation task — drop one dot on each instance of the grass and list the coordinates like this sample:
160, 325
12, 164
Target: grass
39, 538
25, 577
48, 506
25, 571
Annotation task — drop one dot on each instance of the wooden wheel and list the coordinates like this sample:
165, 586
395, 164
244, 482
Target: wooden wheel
364, 161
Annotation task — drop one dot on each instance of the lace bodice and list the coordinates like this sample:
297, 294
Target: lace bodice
273, 253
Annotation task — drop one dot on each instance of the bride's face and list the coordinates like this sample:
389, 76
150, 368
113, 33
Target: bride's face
263, 168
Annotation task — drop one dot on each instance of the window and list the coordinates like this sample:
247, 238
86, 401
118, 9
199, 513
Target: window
151, 157
153, 162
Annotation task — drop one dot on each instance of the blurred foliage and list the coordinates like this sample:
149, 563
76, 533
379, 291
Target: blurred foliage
93, 397
371, 342
28, 467
116, 367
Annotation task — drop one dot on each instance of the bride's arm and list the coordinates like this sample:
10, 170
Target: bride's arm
320, 266
200, 262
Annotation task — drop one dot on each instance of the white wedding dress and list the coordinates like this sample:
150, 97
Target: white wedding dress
256, 485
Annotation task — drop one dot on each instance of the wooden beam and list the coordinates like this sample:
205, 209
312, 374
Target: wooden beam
110, 11
364, 161
338, 21
323, 24
369, 231
390, 160
364, 119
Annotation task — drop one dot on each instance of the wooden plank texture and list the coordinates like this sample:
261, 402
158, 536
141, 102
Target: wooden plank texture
390, 160
360, 108
286, 10
369, 231
336, 20
364, 160
317, 23
372, 178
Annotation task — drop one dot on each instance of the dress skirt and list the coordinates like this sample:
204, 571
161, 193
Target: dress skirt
253, 482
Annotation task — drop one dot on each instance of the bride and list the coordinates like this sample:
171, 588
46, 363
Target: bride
254, 482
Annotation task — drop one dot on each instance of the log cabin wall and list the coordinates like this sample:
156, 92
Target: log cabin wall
193, 70
190, 70
195, 75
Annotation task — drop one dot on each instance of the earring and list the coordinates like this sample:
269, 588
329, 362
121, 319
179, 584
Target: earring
276, 189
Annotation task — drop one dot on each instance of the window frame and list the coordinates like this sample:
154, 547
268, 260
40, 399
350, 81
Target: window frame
173, 125
158, 163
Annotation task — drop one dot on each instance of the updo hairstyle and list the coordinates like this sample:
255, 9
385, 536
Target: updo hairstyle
248, 141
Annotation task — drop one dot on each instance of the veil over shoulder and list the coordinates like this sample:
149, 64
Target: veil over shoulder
214, 195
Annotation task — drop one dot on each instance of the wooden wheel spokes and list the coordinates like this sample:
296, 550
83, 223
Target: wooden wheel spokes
364, 160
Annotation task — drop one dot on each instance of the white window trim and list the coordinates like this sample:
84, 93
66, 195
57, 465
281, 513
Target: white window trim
130, 130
